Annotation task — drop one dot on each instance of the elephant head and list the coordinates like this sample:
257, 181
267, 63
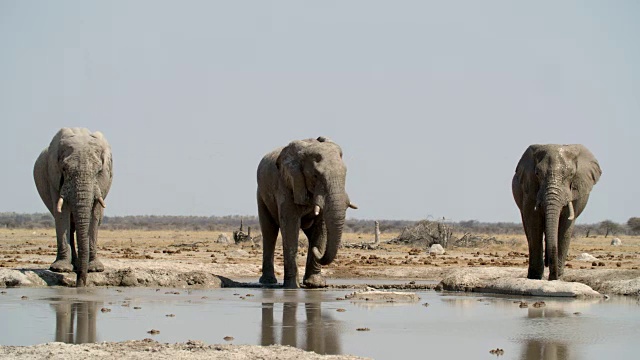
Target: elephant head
556, 180
314, 171
73, 176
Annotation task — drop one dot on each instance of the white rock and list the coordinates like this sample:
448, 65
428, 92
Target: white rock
586, 257
223, 239
616, 242
436, 249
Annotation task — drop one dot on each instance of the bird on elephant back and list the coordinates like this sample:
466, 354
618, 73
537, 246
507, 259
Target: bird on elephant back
302, 186
73, 176
551, 187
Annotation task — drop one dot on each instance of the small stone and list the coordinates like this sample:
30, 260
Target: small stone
24, 297
170, 315
577, 313
341, 310
425, 304
104, 310
363, 329
153, 332
137, 307
228, 338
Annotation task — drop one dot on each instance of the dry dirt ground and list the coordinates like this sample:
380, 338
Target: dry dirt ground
195, 259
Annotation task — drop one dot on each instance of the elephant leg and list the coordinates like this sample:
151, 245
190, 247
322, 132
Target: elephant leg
95, 265
63, 261
317, 236
534, 229
290, 228
269, 229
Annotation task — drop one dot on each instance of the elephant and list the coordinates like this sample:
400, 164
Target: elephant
73, 176
551, 187
302, 186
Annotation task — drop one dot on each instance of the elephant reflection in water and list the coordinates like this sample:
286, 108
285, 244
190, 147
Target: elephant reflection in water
319, 331
75, 322
535, 349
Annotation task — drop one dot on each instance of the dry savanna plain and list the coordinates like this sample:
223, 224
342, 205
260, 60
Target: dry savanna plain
198, 251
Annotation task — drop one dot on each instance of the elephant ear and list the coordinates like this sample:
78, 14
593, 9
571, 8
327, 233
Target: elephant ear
587, 172
105, 153
526, 171
289, 163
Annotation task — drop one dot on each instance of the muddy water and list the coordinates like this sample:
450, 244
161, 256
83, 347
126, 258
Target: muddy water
451, 326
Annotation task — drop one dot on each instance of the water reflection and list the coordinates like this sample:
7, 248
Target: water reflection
536, 348
319, 331
75, 321
548, 350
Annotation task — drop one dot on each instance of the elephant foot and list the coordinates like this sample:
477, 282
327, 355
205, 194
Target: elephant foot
315, 281
96, 266
535, 274
268, 279
291, 283
61, 266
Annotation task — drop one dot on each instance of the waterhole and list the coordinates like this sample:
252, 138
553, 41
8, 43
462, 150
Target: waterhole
440, 325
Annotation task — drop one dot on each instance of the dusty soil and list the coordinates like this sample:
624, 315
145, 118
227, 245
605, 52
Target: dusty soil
150, 349
193, 259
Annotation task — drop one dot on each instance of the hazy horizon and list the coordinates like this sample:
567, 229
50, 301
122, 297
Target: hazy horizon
433, 103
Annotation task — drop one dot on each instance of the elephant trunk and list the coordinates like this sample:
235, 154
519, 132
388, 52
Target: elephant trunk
553, 205
334, 213
81, 199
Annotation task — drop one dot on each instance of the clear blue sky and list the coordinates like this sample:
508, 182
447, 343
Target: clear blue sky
433, 102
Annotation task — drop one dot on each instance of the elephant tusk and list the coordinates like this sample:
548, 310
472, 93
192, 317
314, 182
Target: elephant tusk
101, 201
316, 210
353, 206
572, 213
59, 205
316, 253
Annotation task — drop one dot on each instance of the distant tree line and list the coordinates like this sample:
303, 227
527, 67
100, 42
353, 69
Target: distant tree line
232, 222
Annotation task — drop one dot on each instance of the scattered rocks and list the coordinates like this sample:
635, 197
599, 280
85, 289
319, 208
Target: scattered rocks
436, 249
539, 304
586, 257
372, 294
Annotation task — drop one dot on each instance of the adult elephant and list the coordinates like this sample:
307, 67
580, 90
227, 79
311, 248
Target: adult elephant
302, 186
551, 187
73, 176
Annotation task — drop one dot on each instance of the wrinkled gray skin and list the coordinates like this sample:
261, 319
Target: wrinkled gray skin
551, 187
73, 176
302, 186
